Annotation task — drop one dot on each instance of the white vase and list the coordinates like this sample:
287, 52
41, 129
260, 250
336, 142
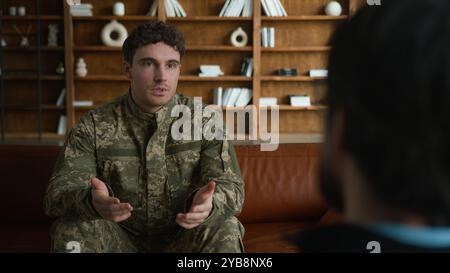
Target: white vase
333, 9
119, 9
81, 68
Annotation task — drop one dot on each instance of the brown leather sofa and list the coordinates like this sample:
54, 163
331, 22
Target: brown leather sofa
281, 196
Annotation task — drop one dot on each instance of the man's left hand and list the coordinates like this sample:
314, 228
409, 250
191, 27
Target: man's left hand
200, 208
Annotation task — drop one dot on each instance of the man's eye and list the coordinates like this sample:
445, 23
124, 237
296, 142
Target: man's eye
172, 65
147, 63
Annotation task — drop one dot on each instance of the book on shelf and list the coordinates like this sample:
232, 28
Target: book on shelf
247, 67
62, 125
173, 9
83, 103
81, 10
233, 96
61, 97
318, 73
300, 100
268, 101
273, 8
235, 8
210, 71
268, 37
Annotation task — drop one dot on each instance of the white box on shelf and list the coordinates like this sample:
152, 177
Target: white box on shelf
318, 73
303, 101
268, 101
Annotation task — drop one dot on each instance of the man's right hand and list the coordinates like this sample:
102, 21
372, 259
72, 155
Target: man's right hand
107, 206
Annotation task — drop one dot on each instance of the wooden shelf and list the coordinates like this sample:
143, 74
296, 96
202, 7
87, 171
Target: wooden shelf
32, 17
214, 79
218, 48
112, 17
291, 78
188, 48
33, 135
297, 49
208, 18
305, 18
33, 48
34, 108
298, 108
32, 77
85, 108
102, 78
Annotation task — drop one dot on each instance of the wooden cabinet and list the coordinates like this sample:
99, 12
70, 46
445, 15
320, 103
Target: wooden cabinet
30, 86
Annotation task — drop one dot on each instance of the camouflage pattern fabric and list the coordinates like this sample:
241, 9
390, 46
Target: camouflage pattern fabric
134, 154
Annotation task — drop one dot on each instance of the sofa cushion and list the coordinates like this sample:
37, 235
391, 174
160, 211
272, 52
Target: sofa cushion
280, 186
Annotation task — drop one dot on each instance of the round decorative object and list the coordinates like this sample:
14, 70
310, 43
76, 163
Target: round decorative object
109, 29
81, 68
333, 9
119, 9
12, 11
21, 11
239, 38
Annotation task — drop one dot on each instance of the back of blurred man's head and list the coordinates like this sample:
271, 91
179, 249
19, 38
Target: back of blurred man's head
388, 124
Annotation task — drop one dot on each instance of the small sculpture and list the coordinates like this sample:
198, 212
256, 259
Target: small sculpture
3, 42
52, 38
60, 69
119, 9
81, 68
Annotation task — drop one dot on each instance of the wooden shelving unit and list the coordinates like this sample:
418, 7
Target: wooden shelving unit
27, 100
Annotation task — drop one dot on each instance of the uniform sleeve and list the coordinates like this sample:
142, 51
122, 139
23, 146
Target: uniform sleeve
69, 190
219, 163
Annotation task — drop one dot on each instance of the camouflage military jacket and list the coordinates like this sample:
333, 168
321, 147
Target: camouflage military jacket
135, 155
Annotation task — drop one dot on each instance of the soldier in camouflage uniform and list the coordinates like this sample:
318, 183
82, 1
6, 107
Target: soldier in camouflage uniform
122, 183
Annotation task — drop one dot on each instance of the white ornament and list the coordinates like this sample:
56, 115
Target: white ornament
111, 27
333, 9
60, 68
3, 42
12, 11
81, 68
52, 38
24, 41
21, 11
119, 9
239, 38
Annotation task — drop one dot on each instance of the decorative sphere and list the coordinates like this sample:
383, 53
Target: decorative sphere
333, 9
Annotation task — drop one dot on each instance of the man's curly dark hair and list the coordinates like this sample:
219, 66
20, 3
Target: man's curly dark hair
152, 33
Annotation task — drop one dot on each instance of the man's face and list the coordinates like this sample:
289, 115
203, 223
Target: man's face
153, 75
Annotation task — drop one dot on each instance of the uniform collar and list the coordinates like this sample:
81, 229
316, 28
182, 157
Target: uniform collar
133, 109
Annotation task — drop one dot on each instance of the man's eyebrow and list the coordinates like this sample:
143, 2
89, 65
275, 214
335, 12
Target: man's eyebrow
156, 61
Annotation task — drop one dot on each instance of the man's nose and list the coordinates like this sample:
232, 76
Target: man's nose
160, 74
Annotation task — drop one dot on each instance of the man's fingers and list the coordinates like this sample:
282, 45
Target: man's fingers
201, 208
180, 221
205, 193
192, 218
121, 218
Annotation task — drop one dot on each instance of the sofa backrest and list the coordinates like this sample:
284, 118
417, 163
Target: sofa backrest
282, 185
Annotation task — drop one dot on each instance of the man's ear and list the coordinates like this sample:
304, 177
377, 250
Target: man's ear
127, 69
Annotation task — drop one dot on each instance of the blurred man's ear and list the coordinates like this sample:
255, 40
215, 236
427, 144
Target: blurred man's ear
127, 69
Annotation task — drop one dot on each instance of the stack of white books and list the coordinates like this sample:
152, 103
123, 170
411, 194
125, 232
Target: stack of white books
173, 9
235, 8
210, 71
235, 96
247, 67
81, 10
268, 37
318, 73
268, 101
273, 8
300, 100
